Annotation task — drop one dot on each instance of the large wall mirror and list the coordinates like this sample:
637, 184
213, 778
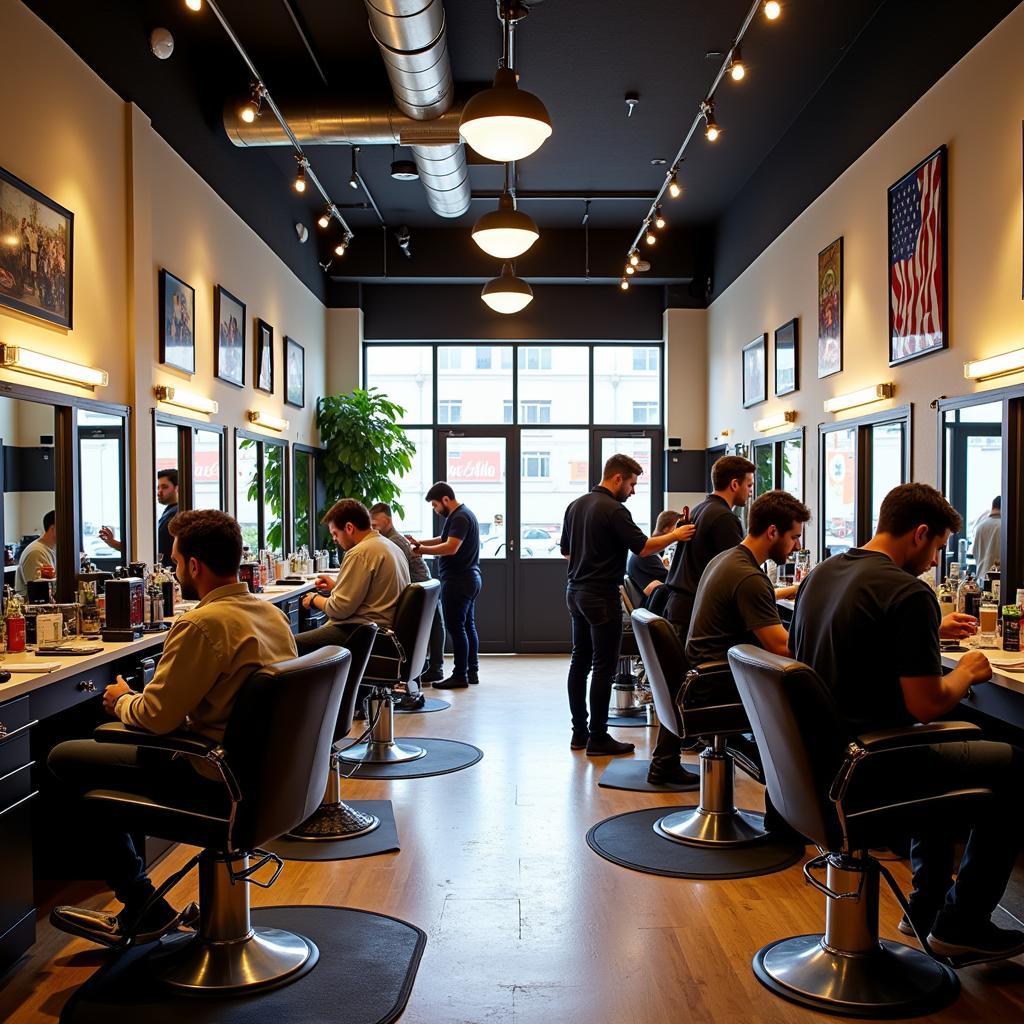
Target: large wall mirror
103, 488
306, 499
261, 476
780, 463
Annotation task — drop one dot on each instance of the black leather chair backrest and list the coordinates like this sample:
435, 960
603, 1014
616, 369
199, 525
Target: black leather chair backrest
664, 661
278, 742
633, 594
414, 615
359, 645
799, 733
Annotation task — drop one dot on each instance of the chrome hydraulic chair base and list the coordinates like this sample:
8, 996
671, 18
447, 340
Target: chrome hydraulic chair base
334, 820
227, 955
715, 821
381, 747
848, 970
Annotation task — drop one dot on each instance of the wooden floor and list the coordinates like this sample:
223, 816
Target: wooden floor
526, 924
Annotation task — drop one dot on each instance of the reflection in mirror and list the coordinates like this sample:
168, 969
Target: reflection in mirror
166, 464
207, 491
974, 473
273, 493
302, 500
29, 526
247, 489
101, 441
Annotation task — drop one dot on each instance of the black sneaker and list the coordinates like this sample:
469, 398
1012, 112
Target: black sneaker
975, 945
580, 738
672, 773
432, 675
453, 682
473, 678
602, 746
923, 917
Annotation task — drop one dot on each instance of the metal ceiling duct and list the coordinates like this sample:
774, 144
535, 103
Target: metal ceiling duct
413, 42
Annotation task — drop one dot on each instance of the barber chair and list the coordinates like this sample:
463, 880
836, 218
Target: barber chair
334, 819
632, 595
398, 656
273, 763
707, 706
821, 782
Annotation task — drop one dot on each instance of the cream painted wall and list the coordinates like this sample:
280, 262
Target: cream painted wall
344, 350
976, 109
686, 397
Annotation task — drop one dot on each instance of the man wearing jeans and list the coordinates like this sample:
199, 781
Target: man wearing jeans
597, 532
458, 549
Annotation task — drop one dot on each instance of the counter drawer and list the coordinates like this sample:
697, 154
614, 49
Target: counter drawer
15, 723
16, 863
15, 786
67, 693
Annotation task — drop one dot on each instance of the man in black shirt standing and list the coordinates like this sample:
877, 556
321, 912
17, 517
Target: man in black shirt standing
871, 630
718, 529
597, 531
459, 572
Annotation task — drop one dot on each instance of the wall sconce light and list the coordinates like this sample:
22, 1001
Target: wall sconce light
263, 419
14, 357
185, 399
875, 393
779, 419
995, 366
725, 433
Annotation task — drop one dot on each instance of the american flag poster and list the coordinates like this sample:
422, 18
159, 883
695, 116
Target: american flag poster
917, 261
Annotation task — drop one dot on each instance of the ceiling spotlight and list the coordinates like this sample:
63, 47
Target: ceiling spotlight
508, 293
624, 285
505, 123
404, 170
630, 269
353, 181
197, 5
772, 9
403, 236
675, 190
737, 69
506, 232
659, 219
339, 249
324, 219
300, 176
711, 130
634, 259
650, 238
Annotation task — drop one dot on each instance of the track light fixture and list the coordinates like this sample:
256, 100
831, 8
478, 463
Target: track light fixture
324, 219
737, 69
659, 219
634, 258
194, 5
772, 9
252, 108
624, 285
711, 129
675, 190
505, 233
650, 238
507, 293
300, 175
353, 181
630, 269
339, 249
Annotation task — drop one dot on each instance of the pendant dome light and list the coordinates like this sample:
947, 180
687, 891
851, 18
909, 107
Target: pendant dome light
507, 293
505, 233
505, 123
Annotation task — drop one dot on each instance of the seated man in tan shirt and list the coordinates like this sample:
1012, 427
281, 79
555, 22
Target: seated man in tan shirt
209, 653
373, 574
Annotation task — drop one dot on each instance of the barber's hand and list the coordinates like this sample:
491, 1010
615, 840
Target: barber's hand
325, 582
977, 666
112, 692
684, 533
652, 587
956, 626
108, 538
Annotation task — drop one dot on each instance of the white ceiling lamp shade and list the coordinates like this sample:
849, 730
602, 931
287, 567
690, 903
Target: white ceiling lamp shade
505, 123
507, 293
505, 233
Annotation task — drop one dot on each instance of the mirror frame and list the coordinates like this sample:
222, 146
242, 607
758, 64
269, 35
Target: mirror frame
286, 511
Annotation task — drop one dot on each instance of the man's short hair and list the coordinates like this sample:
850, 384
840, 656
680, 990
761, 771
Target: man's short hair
170, 474
997, 502
347, 510
209, 536
382, 508
440, 490
666, 521
49, 519
729, 468
776, 508
909, 506
621, 465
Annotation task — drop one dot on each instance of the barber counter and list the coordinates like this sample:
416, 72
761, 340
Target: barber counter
40, 833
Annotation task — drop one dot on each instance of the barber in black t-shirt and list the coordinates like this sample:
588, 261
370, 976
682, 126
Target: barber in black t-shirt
597, 531
459, 572
871, 630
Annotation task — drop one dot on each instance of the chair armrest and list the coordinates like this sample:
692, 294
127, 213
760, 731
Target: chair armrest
918, 735
179, 742
707, 668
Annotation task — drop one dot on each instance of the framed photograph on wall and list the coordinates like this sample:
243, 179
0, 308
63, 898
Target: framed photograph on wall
755, 372
177, 323
36, 252
830, 309
229, 337
263, 348
917, 261
294, 373
787, 359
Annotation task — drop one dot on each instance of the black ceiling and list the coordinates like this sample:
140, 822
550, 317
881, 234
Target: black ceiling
849, 58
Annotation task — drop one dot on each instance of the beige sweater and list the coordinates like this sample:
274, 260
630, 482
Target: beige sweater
209, 652
373, 574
